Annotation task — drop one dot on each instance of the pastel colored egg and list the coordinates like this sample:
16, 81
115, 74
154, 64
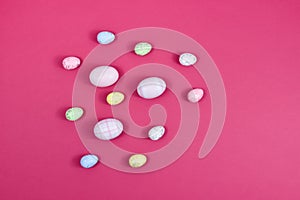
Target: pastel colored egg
104, 76
151, 87
88, 161
195, 95
115, 98
156, 132
108, 129
105, 37
137, 160
73, 114
71, 62
142, 48
187, 59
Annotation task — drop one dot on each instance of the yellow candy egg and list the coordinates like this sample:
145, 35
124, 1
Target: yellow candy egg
115, 98
137, 160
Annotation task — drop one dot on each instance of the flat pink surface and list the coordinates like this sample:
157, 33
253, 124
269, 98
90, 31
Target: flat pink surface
255, 44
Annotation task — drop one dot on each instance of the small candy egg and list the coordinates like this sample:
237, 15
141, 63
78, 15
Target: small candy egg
73, 114
104, 76
105, 37
142, 48
71, 62
137, 160
156, 132
89, 161
115, 98
187, 59
195, 95
108, 129
151, 87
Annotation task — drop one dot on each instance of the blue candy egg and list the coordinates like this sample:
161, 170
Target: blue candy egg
105, 37
89, 161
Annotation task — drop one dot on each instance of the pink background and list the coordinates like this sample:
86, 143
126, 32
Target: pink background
255, 44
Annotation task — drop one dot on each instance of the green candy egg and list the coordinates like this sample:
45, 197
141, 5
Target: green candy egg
142, 48
73, 114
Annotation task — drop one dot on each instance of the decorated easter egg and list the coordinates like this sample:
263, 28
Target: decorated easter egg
137, 160
115, 98
108, 129
151, 87
88, 161
105, 37
195, 95
73, 114
187, 59
142, 48
71, 62
156, 132
104, 76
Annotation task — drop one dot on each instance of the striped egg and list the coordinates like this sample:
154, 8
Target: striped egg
104, 76
151, 87
108, 129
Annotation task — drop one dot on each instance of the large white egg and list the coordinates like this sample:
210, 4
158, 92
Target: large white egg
104, 76
151, 87
108, 129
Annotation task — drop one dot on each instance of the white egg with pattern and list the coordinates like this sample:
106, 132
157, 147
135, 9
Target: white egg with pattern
151, 87
108, 129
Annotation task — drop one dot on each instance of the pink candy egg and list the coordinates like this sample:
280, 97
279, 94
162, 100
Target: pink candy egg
195, 95
71, 62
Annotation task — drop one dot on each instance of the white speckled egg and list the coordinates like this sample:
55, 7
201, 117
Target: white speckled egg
108, 129
187, 59
88, 161
104, 76
105, 37
151, 87
156, 132
71, 62
195, 95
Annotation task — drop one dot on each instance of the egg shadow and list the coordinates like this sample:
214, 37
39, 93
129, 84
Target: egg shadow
75, 161
60, 113
93, 35
175, 58
57, 61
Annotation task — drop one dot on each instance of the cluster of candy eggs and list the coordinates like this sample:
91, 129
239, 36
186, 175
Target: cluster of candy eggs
148, 88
